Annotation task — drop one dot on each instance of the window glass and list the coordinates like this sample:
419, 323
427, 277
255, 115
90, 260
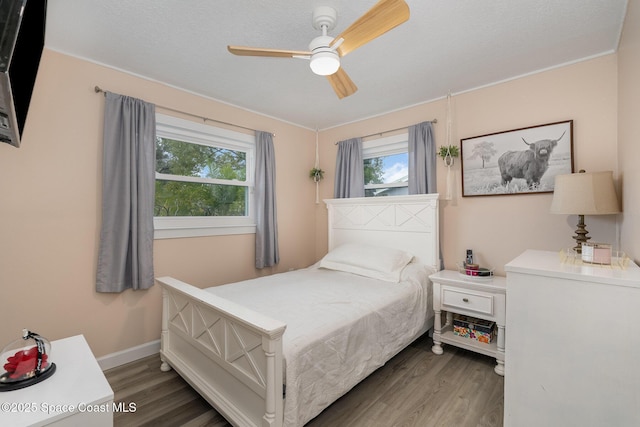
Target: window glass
204, 180
178, 196
386, 166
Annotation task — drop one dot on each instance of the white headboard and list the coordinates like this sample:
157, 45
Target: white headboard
409, 223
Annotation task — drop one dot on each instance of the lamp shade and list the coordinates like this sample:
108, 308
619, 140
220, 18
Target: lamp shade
325, 63
585, 194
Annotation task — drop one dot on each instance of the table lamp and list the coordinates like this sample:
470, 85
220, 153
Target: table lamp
584, 194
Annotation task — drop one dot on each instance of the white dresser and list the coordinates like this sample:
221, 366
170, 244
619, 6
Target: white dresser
77, 394
572, 343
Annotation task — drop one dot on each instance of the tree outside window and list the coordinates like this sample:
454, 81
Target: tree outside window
204, 179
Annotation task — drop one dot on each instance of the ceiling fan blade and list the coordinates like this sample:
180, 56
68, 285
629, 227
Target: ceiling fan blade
258, 51
342, 84
384, 16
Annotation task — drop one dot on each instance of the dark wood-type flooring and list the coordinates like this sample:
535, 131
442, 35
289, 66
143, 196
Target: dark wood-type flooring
415, 388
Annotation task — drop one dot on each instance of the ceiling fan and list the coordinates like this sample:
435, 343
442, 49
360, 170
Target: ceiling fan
325, 51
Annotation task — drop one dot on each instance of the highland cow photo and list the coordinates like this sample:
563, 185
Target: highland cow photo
518, 161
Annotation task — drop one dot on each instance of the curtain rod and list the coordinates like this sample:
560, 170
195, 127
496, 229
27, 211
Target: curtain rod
393, 130
97, 89
389, 131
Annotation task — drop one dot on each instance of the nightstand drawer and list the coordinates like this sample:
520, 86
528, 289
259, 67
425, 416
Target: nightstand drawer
472, 301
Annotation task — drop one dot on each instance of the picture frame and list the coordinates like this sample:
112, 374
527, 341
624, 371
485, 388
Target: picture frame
518, 161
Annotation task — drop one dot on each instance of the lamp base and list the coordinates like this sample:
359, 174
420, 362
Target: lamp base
581, 235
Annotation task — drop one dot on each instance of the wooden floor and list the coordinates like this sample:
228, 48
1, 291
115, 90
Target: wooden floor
416, 388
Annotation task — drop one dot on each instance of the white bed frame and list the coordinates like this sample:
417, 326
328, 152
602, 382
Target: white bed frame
232, 355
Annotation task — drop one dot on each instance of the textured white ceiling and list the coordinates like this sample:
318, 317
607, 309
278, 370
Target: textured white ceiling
446, 46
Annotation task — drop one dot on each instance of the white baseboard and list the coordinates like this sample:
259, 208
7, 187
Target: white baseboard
129, 355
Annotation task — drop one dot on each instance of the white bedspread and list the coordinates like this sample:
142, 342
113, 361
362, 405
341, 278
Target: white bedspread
340, 327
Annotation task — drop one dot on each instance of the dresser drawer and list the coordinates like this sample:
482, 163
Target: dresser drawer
478, 302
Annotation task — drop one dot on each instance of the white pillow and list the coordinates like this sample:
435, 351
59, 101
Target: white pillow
377, 262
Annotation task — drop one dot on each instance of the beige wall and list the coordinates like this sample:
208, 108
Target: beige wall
50, 192
499, 228
629, 129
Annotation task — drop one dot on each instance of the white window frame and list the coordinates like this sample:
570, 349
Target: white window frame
386, 146
200, 133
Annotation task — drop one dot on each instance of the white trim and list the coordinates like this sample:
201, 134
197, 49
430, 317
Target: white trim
471, 89
389, 185
385, 146
128, 355
356, 120
187, 130
175, 233
181, 226
199, 180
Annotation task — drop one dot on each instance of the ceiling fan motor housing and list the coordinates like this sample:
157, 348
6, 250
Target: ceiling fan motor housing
321, 43
324, 16
324, 60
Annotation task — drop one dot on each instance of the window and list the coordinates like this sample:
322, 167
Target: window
386, 166
204, 180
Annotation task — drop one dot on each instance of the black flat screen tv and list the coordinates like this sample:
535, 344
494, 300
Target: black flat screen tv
22, 29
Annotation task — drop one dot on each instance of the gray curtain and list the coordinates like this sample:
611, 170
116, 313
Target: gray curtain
125, 255
422, 159
349, 179
422, 163
267, 254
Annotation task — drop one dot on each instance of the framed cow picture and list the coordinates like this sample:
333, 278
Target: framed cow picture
519, 161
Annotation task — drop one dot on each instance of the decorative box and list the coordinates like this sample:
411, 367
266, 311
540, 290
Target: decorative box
596, 253
483, 331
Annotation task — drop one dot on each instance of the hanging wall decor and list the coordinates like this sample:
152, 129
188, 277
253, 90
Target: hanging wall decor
448, 152
316, 173
518, 161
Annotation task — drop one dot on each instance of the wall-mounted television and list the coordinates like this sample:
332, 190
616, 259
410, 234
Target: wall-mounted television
22, 29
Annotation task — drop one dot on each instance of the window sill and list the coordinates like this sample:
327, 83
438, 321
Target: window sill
176, 233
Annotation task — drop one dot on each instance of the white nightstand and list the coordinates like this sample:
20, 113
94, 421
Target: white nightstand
483, 298
77, 394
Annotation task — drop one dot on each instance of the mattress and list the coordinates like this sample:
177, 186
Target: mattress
340, 327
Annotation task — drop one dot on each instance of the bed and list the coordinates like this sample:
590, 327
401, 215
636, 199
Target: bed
277, 350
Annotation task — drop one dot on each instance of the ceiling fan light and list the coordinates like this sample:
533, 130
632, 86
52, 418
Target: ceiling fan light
324, 63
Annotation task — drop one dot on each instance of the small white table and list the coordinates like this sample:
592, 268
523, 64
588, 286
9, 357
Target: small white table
77, 394
483, 298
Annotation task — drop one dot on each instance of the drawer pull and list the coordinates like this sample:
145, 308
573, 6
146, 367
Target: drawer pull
465, 299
